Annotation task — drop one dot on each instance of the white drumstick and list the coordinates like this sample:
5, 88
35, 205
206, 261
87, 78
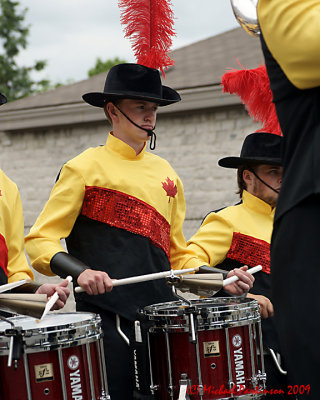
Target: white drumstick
234, 278
144, 278
52, 301
9, 286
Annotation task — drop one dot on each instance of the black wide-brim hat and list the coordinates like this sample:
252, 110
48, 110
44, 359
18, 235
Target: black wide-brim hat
3, 99
133, 81
257, 148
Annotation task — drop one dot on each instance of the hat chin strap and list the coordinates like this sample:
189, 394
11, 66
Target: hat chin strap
150, 132
265, 183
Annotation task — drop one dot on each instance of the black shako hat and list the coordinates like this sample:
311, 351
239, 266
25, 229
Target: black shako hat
257, 148
133, 81
3, 99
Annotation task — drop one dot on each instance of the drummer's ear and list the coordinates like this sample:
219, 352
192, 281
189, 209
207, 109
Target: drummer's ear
247, 177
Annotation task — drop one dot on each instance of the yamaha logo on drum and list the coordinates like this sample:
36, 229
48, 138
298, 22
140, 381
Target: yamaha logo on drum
75, 377
237, 341
73, 362
239, 362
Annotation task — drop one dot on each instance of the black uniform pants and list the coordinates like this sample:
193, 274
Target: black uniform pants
117, 353
277, 387
295, 273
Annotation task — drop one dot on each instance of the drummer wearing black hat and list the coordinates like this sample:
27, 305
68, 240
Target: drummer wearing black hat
121, 210
241, 234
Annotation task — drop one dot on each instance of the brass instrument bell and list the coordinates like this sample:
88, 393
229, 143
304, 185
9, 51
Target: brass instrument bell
245, 12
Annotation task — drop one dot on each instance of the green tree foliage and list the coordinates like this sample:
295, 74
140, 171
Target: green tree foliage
15, 80
104, 66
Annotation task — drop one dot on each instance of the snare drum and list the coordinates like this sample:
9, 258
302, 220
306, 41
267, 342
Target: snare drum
62, 358
208, 349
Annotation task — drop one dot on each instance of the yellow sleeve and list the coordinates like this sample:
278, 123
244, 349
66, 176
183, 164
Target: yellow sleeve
18, 267
56, 219
291, 30
212, 241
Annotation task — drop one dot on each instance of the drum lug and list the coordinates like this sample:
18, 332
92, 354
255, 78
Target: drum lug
254, 381
259, 380
261, 377
184, 384
104, 396
170, 391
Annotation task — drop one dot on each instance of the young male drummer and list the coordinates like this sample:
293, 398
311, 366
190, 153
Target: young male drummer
241, 234
121, 210
13, 262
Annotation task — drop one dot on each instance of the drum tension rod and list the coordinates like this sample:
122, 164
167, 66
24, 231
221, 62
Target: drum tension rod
16, 346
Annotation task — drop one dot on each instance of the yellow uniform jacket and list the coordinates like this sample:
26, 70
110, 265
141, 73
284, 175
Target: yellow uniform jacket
241, 233
119, 212
13, 262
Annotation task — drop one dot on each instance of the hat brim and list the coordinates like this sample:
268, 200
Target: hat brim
236, 162
3, 99
99, 99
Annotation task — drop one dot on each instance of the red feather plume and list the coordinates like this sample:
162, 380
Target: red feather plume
149, 25
253, 88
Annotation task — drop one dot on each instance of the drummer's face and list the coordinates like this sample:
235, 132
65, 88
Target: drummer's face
272, 175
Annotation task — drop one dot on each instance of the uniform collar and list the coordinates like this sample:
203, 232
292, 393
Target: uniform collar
122, 149
256, 204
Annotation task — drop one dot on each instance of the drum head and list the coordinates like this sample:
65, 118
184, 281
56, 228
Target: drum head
50, 320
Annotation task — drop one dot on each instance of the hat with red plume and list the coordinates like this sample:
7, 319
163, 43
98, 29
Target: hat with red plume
265, 145
253, 88
149, 26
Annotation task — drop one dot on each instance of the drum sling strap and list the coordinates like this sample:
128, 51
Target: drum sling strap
141, 361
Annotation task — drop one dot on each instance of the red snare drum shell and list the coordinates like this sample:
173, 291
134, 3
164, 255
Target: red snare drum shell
72, 363
172, 350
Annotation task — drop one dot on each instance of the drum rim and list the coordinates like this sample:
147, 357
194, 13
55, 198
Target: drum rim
56, 336
237, 303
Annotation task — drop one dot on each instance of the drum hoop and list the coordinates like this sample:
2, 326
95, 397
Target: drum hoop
57, 337
219, 305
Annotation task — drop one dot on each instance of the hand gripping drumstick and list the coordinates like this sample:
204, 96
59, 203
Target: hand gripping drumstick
143, 278
234, 278
52, 301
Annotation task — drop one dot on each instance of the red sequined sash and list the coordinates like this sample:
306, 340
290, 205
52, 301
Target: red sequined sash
3, 254
250, 251
127, 212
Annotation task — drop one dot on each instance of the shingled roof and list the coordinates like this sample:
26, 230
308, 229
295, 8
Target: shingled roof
196, 74
204, 62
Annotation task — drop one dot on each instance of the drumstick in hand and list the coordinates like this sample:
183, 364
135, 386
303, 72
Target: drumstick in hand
52, 301
144, 278
234, 278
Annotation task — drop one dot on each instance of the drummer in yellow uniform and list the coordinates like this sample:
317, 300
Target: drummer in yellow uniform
241, 234
121, 210
13, 262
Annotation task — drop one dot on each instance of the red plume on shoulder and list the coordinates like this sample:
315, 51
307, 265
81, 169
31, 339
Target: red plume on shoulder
253, 88
149, 25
